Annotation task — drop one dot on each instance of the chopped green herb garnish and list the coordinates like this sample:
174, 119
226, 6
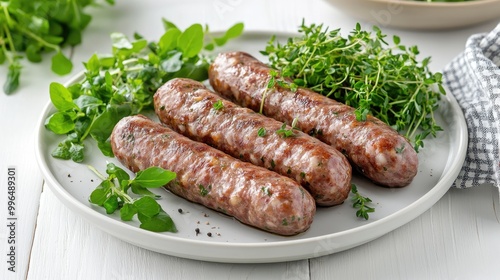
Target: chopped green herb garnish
261, 132
315, 132
284, 132
204, 191
266, 191
400, 149
218, 105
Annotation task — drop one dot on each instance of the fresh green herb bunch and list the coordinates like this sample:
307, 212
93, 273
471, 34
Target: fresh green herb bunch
113, 194
124, 83
32, 27
362, 71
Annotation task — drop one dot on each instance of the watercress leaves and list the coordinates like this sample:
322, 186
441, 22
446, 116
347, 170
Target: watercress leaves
120, 41
190, 42
60, 123
124, 84
154, 177
233, 32
158, 223
13, 75
61, 97
31, 28
112, 195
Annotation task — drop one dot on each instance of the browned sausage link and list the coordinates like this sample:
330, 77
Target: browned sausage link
374, 148
205, 175
190, 108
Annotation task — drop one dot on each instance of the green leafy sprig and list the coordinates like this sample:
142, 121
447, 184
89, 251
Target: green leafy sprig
112, 194
274, 80
363, 71
124, 83
361, 203
284, 132
31, 28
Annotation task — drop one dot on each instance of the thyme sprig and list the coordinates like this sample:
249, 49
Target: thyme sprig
361, 203
363, 71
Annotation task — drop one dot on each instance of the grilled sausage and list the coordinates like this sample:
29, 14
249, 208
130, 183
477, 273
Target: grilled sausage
205, 175
191, 109
374, 148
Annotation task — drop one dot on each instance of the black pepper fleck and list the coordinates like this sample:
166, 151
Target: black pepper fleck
180, 210
197, 230
209, 234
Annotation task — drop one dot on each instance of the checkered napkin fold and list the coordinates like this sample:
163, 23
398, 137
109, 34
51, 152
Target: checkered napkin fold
473, 77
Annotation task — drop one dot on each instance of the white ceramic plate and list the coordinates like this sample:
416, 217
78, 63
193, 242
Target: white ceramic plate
417, 15
334, 229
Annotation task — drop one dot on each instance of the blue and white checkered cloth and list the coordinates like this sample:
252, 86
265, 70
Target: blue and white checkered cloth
473, 77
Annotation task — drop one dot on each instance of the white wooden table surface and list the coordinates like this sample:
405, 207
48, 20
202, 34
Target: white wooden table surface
458, 238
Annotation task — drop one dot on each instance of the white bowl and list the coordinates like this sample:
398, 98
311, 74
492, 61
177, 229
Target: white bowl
417, 15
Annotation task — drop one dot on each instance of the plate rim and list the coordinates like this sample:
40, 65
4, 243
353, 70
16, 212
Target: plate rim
438, 5
425, 16
388, 223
